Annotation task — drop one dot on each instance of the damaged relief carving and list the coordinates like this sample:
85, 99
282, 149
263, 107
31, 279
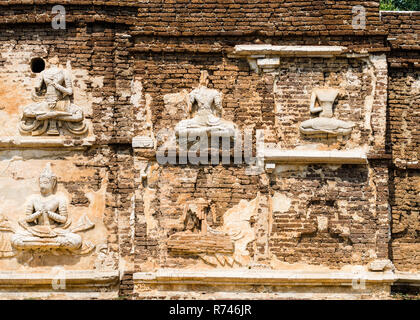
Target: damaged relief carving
53, 108
325, 123
46, 225
207, 119
223, 246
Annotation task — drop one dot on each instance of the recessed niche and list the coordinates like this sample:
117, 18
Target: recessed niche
37, 65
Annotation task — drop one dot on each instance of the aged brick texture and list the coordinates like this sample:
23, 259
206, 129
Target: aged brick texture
133, 65
404, 136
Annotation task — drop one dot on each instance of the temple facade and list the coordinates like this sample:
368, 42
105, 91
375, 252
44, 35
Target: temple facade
208, 150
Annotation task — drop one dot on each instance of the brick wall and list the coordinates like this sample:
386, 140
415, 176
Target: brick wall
336, 217
404, 136
403, 38
141, 57
404, 116
230, 18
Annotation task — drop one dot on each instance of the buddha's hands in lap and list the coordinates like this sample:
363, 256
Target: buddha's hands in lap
45, 116
52, 115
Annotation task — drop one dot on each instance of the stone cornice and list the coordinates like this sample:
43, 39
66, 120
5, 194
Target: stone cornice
260, 277
315, 156
73, 279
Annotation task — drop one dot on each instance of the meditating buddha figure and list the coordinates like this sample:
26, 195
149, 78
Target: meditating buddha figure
46, 220
325, 123
52, 107
207, 119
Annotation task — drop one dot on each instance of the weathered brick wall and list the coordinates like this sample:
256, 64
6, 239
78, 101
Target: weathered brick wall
405, 204
238, 17
230, 18
404, 136
403, 37
135, 61
404, 116
173, 187
97, 56
336, 216
404, 131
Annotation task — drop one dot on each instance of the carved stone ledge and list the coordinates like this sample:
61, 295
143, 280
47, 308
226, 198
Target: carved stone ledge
266, 57
84, 279
264, 283
143, 142
407, 279
45, 143
288, 51
314, 156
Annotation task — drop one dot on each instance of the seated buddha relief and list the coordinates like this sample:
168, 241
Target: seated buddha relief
46, 224
53, 106
207, 104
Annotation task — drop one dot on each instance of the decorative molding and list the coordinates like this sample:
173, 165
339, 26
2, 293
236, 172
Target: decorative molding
143, 142
266, 57
288, 51
260, 277
407, 279
74, 279
264, 284
18, 142
314, 156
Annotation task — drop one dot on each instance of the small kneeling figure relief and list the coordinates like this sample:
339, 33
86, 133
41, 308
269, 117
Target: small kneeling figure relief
216, 247
206, 120
52, 107
325, 123
46, 225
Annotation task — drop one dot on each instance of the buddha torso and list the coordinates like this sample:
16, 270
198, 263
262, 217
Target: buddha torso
207, 118
53, 75
326, 98
204, 98
324, 121
47, 204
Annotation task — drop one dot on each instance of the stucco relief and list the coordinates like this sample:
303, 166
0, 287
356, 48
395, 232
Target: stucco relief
46, 225
207, 119
222, 246
53, 106
325, 123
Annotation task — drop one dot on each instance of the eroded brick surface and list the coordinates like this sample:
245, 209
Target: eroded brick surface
133, 64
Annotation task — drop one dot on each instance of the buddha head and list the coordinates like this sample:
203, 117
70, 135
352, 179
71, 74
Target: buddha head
47, 181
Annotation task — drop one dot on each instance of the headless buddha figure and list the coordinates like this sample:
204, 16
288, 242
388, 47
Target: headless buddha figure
52, 105
206, 120
46, 220
325, 123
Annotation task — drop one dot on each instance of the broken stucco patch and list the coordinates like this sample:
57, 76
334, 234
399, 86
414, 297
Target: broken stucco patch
281, 203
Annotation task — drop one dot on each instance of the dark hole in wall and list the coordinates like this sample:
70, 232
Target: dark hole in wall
37, 65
